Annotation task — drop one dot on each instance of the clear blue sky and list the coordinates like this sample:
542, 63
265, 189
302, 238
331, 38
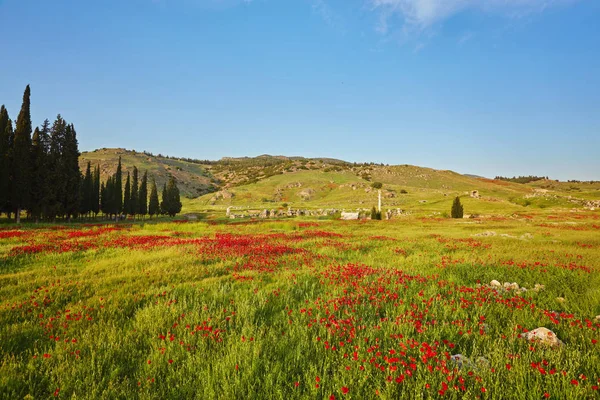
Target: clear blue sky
489, 87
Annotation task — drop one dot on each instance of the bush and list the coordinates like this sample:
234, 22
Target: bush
457, 208
375, 215
376, 185
403, 191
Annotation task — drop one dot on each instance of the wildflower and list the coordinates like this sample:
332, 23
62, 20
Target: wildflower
345, 390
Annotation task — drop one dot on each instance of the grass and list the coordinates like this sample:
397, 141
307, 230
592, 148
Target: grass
289, 309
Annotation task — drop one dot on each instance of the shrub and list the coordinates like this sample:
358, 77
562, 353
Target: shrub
376, 185
375, 215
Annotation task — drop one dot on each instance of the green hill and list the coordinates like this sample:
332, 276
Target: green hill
267, 182
193, 179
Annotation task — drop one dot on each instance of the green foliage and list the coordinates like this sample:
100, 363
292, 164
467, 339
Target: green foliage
21, 158
376, 185
117, 197
154, 205
457, 208
127, 196
171, 204
134, 201
375, 214
5, 145
521, 179
143, 195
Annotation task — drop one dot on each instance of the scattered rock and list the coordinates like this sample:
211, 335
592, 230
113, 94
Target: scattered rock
485, 234
347, 216
495, 283
526, 236
306, 194
542, 335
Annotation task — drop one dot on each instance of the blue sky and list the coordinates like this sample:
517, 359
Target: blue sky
489, 87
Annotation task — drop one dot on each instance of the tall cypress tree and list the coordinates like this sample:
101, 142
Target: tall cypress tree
5, 141
173, 204
164, 204
72, 174
118, 188
134, 192
87, 190
96, 191
143, 196
21, 161
103, 199
39, 172
56, 182
127, 196
154, 205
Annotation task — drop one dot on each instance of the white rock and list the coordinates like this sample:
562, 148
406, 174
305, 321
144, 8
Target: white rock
543, 335
495, 283
461, 361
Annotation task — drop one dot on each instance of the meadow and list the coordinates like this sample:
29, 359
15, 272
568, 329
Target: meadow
299, 308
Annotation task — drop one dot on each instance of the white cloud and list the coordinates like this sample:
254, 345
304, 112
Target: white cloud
422, 14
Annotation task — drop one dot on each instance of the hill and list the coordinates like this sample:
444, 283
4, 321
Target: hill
193, 179
267, 182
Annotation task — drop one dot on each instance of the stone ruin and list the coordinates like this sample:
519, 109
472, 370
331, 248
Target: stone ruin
475, 194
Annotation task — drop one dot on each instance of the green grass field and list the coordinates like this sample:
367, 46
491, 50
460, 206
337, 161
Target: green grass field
286, 309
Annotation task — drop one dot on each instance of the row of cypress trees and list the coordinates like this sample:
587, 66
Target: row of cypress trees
40, 174
133, 200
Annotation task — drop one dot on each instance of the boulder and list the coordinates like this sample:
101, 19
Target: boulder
495, 283
347, 216
542, 335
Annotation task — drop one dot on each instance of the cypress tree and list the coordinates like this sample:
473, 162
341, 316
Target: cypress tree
103, 199
457, 208
127, 196
38, 176
153, 206
164, 204
143, 196
56, 181
96, 191
134, 193
118, 188
87, 192
21, 160
173, 205
5, 142
72, 174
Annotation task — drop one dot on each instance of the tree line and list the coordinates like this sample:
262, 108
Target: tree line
39, 174
134, 199
521, 179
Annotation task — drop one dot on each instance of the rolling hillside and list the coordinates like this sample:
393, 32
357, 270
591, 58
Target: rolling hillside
267, 182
